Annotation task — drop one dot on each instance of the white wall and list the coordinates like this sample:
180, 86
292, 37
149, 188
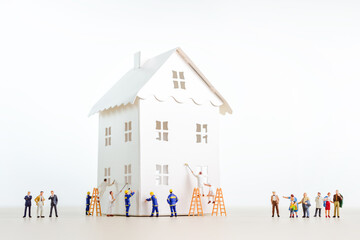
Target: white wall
119, 153
180, 149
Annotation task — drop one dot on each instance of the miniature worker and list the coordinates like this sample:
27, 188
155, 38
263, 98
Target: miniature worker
201, 180
88, 199
275, 203
28, 198
338, 201
211, 194
54, 201
102, 187
154, 204
127, 201
172, 200
319, 204
305, 205
111, 204
39, 200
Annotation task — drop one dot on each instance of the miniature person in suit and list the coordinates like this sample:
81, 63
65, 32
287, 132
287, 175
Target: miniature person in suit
154, 204
338, 201
39, 200
28, 198
319, 204
275, 203
88, 199
54, 202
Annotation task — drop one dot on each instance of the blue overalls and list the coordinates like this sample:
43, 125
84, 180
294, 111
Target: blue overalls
127, 202
88, 198
154, 205
172, 200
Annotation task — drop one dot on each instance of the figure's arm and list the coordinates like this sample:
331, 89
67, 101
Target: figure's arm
168, 200
148, 199
286, 197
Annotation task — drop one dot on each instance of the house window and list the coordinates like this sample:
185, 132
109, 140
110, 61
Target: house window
108, 136
127, 174
128, 132
179, 80
201, 133
162, 131
107, 174
162, 174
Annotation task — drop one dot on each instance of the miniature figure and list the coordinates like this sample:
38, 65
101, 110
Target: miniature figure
127, 200
39, 200
275, 203
293, 199
154, 204
172, 200
28, 198
327, 204
201, 180
293, 208
319, 202
102, 187
338, 201
305, 201
211, 194
111, 204
88, 199
54, 202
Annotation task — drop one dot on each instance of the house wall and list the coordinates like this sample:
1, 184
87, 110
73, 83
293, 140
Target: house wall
180, 148
119, 153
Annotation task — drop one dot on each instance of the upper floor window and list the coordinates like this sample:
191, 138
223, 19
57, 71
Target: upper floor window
179, 80
201, 133
162, 131
107, 174
128, 174
108, 136
128, 132
162, 174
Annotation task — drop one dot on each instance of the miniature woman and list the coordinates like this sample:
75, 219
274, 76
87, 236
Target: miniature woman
327, 201
293, 199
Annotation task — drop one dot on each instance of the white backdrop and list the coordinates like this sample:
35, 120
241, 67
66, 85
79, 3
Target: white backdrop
289, 69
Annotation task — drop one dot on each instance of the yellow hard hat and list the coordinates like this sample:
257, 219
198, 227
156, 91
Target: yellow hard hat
88, 193
151, 193
126, 191
171, 191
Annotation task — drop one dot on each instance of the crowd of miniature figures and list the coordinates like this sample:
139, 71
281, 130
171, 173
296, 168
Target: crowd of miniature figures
40, 202
320, 203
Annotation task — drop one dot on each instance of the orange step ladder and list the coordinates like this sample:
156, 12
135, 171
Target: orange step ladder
95, 203
196, 204
219, 203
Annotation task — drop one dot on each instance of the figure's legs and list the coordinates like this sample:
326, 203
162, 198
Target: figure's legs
273, 209
55, 207
319, 212
29, 211
157, 211
174, 208
87, 209
38, 211
127, 210
152, 212
41, 210
51, 209
308, 212
25, 211
172, 211
277, 210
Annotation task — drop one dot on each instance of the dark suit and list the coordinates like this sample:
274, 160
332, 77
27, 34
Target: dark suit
54, 202
27, 204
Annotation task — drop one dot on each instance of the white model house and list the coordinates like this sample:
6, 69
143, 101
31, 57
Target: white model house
157, 117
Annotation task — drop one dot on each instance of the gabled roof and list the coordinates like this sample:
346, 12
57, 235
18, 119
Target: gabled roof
127, 88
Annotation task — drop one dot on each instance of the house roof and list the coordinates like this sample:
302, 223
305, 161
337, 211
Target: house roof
126, 90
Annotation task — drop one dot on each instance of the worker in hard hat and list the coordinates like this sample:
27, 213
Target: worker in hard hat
88, 198
128, 195
154, 204
172, 200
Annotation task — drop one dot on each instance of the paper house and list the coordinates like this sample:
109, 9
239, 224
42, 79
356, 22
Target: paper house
157, 117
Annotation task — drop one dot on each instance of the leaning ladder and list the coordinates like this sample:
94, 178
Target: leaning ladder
196, 203
95, 203
219, 203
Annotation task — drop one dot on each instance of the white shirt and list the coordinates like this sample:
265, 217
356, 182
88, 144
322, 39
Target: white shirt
274, 197
201, 179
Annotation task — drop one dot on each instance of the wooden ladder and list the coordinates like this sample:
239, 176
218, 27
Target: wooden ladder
95, 203
196, 203
219, 203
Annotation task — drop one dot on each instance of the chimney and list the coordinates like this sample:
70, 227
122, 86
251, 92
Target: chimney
137, 60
